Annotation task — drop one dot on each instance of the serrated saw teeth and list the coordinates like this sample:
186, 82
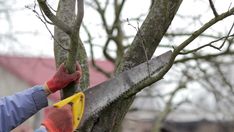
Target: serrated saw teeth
101, 96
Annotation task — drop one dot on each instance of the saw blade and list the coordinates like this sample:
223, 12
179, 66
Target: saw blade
100, 96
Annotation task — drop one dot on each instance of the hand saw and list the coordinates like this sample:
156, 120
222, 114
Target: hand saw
100, 96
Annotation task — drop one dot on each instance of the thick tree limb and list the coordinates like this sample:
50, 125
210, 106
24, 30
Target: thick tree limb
65, 14
153, 29
120, 106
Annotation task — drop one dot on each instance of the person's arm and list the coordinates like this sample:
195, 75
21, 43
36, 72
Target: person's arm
17, 108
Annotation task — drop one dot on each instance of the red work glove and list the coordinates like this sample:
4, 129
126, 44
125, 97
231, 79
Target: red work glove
61, 78
59, 119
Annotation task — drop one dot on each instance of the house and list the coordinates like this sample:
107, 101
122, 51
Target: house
19, 73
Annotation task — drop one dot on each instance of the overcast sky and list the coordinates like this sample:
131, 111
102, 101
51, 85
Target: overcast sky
40, 43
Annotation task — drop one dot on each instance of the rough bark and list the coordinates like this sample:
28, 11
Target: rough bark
62, 40
73, 44
146, 41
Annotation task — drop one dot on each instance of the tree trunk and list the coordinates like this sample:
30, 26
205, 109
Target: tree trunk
145, 43
62, 40
63, 45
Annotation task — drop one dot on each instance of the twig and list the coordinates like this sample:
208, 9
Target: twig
106, 4
143, 44
202, 29
102, 15
209, 44
51, 8
53, 18
227, 36
45, 23
178, 49
223, 77
92, 54
213, 8
43, 15
203, 57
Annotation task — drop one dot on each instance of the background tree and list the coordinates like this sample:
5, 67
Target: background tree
143, 46
9, 35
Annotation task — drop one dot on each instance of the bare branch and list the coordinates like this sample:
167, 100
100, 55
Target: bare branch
105, 49
178, 49
209, 44
106, 4
213, 8
102, 15
45, 23
53, 18
168, 108
227, 36
51, 8
107, 74
80, 14
177, 34
204, 57
142, 43
203, 28
43, 15
224, 79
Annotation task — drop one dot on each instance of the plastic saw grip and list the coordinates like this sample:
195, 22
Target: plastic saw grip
78, 102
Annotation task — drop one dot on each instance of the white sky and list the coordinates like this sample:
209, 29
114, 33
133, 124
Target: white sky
41, 43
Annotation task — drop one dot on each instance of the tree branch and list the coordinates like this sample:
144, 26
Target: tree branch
209, 44
45, 21
80, 14
177, 50
53, 18
213, 8
107, 74
227, 36
204, 57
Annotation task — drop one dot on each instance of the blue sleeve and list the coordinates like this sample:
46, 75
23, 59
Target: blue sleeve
41, 129
17, 108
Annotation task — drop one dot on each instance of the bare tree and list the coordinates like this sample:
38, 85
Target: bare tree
69, 47
11, 34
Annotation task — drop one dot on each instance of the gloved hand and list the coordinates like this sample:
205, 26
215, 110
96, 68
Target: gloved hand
59, 119
61, 79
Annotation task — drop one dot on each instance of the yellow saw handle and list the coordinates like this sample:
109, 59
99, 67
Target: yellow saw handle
78, 101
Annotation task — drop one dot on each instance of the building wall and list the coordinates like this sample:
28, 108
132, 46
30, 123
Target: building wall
138, 121
10, 84
144, 121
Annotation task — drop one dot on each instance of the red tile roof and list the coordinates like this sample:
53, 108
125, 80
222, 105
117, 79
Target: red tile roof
36, 71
